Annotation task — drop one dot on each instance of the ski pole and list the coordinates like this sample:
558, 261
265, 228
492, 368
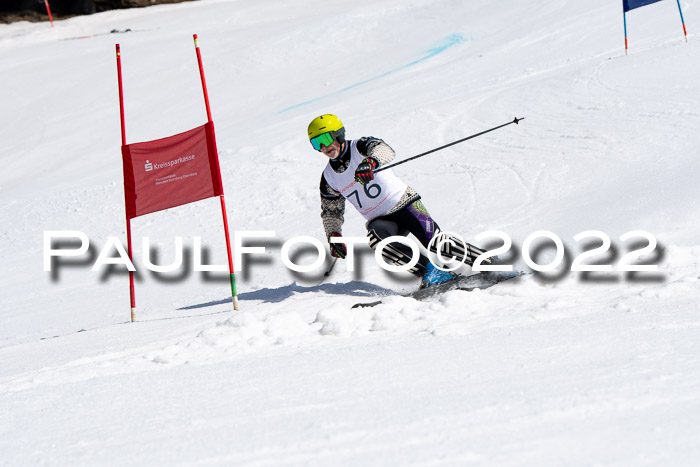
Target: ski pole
515, 120
328, 272
330, 268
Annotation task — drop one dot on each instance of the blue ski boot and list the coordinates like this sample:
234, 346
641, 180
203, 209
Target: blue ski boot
434, 276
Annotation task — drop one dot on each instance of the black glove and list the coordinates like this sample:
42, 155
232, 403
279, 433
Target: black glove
363, 173
338, 250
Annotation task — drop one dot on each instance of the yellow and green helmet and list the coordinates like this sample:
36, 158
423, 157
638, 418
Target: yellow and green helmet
324, 130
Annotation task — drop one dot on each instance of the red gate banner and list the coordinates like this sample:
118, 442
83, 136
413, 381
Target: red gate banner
170, 172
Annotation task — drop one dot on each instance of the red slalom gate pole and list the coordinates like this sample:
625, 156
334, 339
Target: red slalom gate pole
234, 293
48, 10
201, 75
132, 295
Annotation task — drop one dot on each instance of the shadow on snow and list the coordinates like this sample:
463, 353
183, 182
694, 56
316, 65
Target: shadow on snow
279, 294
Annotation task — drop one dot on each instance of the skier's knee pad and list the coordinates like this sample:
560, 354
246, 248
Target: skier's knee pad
395, 248
393, 255
451, 247
374, 239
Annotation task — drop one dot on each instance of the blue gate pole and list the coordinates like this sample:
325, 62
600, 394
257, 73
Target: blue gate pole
624, 18
685, 32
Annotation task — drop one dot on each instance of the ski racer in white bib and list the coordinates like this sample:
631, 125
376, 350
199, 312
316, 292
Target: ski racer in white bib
390, 206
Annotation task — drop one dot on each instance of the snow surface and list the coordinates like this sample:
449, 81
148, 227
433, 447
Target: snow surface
597, 369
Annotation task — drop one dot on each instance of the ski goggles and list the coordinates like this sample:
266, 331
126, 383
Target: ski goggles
325, 139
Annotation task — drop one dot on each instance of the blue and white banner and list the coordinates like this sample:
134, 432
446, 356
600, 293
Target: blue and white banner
628, 5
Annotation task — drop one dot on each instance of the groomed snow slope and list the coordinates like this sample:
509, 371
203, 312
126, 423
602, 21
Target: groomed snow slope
568, 370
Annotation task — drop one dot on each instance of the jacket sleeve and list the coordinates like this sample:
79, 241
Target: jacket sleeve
377, 149
332, 208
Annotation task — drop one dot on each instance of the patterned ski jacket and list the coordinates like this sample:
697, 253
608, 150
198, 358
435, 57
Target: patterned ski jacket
333, 201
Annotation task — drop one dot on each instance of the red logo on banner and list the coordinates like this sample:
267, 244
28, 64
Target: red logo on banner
170, 172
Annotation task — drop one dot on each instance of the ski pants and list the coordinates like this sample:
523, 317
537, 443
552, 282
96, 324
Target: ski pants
415, 219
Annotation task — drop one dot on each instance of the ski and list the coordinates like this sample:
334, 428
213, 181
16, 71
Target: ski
480, 280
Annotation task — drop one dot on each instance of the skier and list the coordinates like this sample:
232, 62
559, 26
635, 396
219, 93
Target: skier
390, 206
